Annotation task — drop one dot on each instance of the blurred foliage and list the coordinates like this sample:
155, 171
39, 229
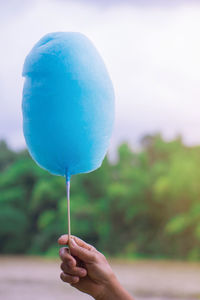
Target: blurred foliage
146, 204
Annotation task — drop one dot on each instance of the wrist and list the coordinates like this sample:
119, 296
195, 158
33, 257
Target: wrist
112, 290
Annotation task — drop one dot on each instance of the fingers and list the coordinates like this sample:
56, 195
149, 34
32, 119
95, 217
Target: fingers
83, 251
84, 254
79, 248
66, 257
74, 271
64, 239
68, 278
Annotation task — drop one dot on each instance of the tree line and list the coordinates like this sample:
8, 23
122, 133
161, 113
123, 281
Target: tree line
146, 204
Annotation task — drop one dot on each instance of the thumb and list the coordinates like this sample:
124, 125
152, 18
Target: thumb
86, 255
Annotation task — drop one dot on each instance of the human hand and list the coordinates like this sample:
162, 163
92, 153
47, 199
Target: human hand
86, 268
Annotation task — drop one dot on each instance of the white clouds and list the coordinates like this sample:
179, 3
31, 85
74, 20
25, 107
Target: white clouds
152, 55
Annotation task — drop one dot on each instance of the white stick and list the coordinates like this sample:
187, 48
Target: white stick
68, 210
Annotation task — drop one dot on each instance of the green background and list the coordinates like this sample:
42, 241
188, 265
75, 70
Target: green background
146, 204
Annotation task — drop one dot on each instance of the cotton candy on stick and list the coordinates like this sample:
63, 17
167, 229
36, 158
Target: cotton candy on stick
68, 105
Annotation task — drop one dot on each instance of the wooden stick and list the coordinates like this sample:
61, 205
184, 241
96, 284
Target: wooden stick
68, 211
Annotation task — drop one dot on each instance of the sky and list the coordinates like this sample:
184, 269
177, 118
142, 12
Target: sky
151, 50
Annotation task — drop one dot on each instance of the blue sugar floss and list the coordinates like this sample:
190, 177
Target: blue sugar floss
68, 104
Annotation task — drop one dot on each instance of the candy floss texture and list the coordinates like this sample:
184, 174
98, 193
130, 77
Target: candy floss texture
68, 104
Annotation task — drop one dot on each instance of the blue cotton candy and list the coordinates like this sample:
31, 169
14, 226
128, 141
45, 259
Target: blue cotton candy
68, 104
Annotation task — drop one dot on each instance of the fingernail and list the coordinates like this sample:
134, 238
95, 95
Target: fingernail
72, 243
83, 272
61, 251
75, 279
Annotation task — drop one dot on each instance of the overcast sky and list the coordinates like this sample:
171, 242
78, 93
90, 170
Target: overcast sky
151, 49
